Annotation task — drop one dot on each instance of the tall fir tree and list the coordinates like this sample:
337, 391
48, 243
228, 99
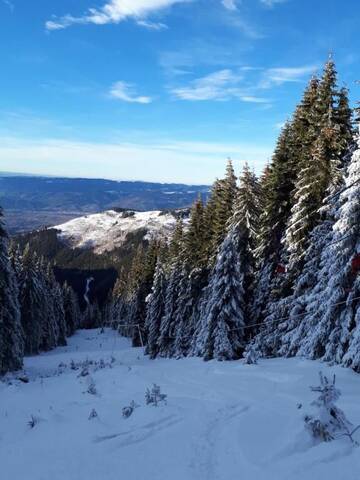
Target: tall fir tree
11, 335
225, 319
155, 310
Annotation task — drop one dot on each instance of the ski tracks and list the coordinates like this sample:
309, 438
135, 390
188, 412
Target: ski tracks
138, 435
206, 461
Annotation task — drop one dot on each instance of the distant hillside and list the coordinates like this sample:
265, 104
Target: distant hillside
32, 202
104, 232
99, 245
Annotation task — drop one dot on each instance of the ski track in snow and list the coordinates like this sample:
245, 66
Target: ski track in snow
222, 420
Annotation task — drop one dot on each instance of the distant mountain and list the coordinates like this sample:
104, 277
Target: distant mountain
32, 202
99, 245
107, 231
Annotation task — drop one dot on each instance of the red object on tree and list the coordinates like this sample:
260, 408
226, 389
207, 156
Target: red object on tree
355, 263
280, 269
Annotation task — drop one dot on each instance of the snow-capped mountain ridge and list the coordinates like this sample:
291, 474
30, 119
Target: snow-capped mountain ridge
108, 230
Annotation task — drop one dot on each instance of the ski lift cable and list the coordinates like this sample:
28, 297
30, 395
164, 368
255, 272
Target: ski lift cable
254, 324
292, 316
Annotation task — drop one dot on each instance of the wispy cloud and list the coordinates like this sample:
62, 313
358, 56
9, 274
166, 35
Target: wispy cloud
229, 4
9, 4
278, 76
126, 92
221, 85
152, 25
215, 86
243, 83
115, 11
271, 3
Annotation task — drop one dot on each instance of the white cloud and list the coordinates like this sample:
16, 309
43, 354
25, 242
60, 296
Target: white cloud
252, 99
114, 11
212, 87
171, 161
152, 25
271, 3
219, 86
278, 76
229, 4
126, 92
243, 83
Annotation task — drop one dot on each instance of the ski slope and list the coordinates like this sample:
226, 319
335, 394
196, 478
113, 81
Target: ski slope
222, 420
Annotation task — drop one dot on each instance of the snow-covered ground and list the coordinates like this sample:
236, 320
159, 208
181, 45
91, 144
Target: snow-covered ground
108, 230
222, 420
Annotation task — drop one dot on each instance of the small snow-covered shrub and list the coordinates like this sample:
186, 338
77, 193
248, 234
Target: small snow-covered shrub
251, 355
33, 421
84, 372
154, 396
128, 411
102, 364
330, 422
92, 388
74, 365
93, 414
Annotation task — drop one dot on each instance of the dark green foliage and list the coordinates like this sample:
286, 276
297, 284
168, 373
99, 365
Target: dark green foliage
11, 338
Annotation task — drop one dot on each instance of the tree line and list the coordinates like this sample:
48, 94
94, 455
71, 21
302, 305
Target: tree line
36, 312
269, 266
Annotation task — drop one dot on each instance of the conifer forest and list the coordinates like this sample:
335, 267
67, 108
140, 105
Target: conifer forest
265, 267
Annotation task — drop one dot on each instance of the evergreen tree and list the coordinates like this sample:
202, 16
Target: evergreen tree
50, 328
11, 339
155, 310
321, 173
31, 302
225, 337
187, 314
140, 284
247, 206
194, 238
71, 310
224, 193
167, 324
277, 189
336, 327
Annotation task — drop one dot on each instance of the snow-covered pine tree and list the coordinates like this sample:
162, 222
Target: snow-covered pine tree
49, 327
225, 336
313, 211
293, 328
11, 338
59, 312
336, 327
31, 302
187, 315
276, 192
332, 124
247, 206
155, 310
219, 210
246, 219
71, 310
167, 325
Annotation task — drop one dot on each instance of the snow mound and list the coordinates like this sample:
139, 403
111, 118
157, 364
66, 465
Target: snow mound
221, 420
108, 230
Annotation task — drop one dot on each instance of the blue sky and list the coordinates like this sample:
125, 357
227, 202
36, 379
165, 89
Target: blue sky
161, 90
